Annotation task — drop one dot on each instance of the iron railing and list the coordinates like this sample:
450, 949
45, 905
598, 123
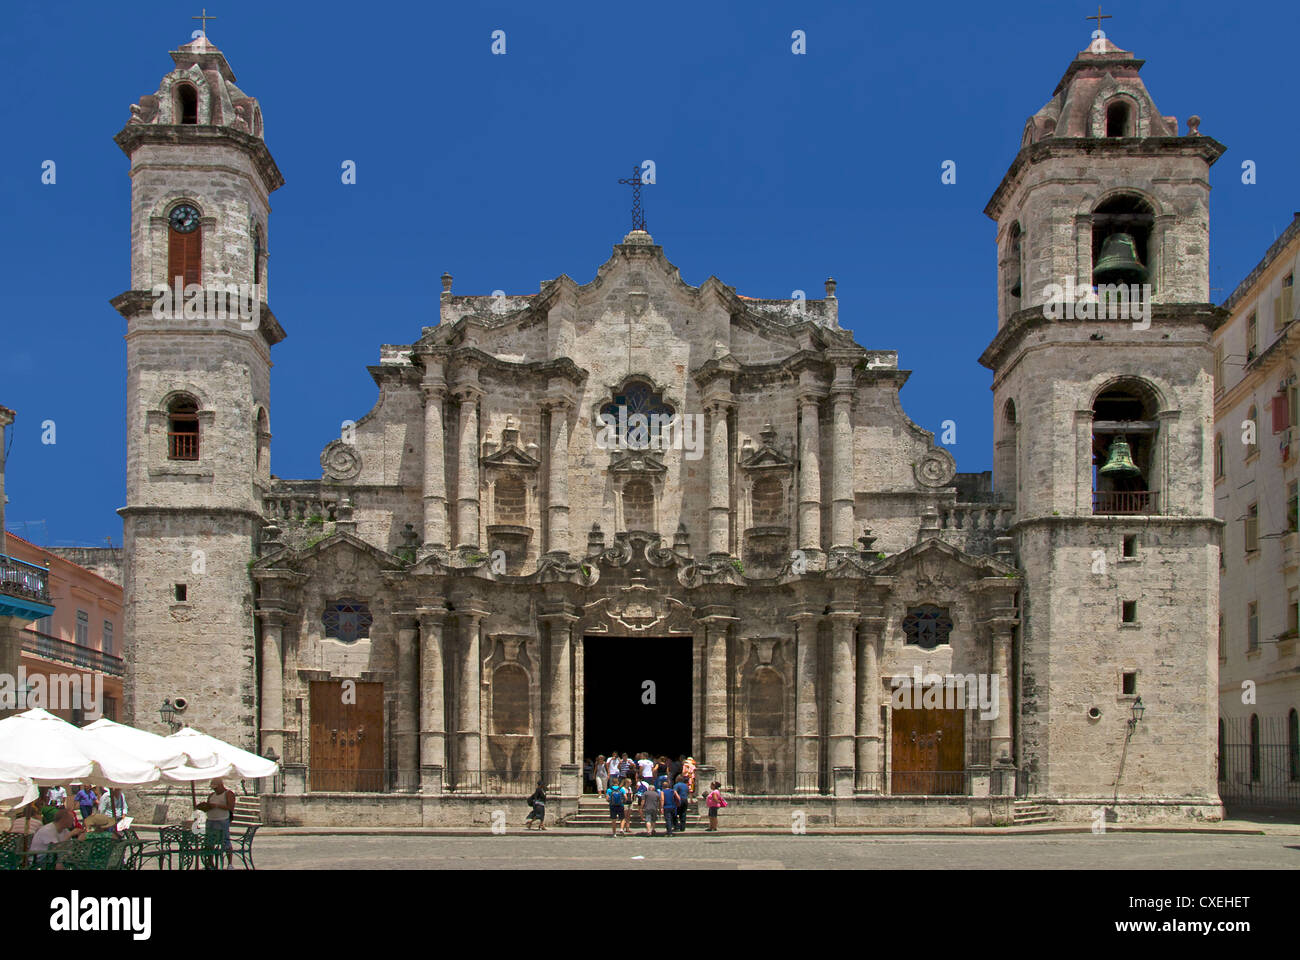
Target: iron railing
49, 647
1126, 502
1265, 775
182, 446
21, 579
378, 780
495, 782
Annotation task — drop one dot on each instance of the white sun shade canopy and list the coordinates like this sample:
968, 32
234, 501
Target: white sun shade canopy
245, 765
38, 745
157, 749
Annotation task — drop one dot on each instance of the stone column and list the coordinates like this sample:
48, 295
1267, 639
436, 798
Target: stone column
868, 726
408, 735
469, 757
467, 532
12, 630
557, 478
433, 716
842, 464
435, 471
1000, 740
272, 694
810, 476
717, 717
806, 735
559, 617
843, 701
719, 482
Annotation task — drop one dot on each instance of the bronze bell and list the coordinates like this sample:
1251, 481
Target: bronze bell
1119, 461
1119, 261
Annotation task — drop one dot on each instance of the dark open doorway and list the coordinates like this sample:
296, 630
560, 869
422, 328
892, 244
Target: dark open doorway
616, 716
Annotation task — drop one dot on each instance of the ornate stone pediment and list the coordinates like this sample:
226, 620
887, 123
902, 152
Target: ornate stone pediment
767, 456
638, 462
638, 611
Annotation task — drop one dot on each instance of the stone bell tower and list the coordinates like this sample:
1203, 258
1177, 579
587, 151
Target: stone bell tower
1103, 422
199, 334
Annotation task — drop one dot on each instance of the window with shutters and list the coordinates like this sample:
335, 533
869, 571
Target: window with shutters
1252, 626
83, 628
1282, 305
1281, 413
106, 643
1218, 369
1292, 507
1252, 337
185, 254
1252, 528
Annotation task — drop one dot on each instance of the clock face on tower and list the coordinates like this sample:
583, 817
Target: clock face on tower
184, 218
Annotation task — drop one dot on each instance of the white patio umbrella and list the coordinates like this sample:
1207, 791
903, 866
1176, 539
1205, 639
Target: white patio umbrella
49, 751
15, 789
245, 765
158, 750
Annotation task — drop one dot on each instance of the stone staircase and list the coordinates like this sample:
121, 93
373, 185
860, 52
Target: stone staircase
1027, 812
593, 811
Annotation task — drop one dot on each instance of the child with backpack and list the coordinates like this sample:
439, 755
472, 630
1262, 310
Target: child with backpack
617, 798
715, 802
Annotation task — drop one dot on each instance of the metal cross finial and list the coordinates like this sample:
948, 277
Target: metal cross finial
638, 215
205, 18
1099, 17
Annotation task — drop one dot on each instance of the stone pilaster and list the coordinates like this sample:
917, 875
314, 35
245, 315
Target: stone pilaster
272, 694
842, 461
469, 667
433, 715
806, 735
467, 498
557, 474
435, 467
870, 630
717, 621
407, 739
559, 617
719, 481
843, 701
810, 475
1000, 745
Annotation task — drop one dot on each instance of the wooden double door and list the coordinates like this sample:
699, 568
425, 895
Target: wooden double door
347, 736
928, 752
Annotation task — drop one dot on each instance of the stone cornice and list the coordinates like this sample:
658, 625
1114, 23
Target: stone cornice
133, 135
1207, 148
1024, 321
133, 303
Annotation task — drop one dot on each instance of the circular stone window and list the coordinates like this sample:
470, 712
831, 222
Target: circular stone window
1094, 713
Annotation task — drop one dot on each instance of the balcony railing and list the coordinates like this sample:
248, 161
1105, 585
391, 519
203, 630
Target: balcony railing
26, 580
1126, 502
48, 647
182, 446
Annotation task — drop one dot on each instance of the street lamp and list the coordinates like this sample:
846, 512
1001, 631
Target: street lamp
1138, 710
168, 714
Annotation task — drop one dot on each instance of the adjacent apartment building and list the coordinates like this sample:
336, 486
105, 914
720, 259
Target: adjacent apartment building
80, 639
1256, 472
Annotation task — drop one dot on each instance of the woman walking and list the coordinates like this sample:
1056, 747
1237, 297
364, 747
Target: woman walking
616, 800
715, 802
602, 775
688, 771
538, 802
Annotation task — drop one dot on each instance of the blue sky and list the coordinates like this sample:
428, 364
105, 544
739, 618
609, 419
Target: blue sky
774, 172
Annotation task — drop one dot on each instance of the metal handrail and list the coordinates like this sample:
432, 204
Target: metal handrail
18, 578
50, 647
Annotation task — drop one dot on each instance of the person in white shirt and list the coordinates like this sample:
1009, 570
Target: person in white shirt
611, 766
56, 831
58, 797
646, 766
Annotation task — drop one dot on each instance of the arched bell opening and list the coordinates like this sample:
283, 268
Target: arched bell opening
1124, 445
1121, 242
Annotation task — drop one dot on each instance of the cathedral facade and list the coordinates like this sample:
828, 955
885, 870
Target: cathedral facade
638, 515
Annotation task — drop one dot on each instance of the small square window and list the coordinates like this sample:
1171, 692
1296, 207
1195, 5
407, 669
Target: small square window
1129, 611
179, 592
1130, 545
1130, 684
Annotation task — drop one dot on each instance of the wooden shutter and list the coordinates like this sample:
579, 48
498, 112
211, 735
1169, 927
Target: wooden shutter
184, 254
1280, 413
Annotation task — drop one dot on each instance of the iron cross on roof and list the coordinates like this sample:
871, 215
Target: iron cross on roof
638, 215
1100, 17
205, 18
